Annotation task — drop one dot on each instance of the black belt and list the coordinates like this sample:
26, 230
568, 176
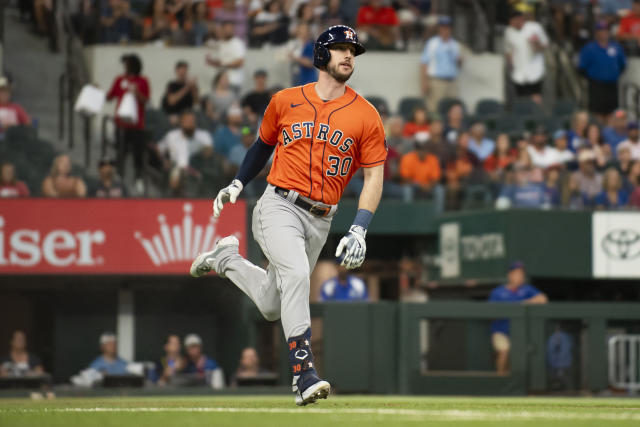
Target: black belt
313, 209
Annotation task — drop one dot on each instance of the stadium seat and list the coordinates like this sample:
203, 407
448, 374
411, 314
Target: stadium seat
526, 107
408, 104
508, 123
489, 107
531, 121
564, 107
446, 103
158, 123
380, 103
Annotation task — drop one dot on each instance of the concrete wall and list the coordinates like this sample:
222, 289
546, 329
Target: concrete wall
390, 75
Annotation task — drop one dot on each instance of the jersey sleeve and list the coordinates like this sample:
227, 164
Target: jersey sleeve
269, 126
373, 148
531, 291
114, 91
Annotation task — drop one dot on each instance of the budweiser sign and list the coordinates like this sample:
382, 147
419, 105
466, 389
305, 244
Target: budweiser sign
111, 236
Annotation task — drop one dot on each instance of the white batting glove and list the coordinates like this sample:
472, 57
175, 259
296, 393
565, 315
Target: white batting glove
353, 246
227, 194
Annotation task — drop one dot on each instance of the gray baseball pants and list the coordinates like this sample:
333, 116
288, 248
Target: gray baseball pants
291, 239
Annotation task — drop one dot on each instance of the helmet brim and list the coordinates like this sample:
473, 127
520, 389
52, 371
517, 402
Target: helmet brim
359, 48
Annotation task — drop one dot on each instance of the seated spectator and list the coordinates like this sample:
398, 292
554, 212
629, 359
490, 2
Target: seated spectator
419, 123
301, 56
419, 168
117, 22
395, 139
524, 163
229, 135
172, 362
11, 114
589, 181
616, 132
503, 156
344, 287
20, 362
109, 185
181, 94
561, 145
612, 197
572, 197
9, 184
454, 124
632, 142
460, 169
378, 25
516, 290
160, 24
255, 102
60, 182
109, 363
200, 365
578, 131
542, 156
552, 187
437, 145
179, 145
479, 144
625, 161
230, 55
248, 367
523, 193
221, 97
271, 25
629, 28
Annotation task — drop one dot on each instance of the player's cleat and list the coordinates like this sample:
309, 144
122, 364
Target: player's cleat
308, 388
205, 261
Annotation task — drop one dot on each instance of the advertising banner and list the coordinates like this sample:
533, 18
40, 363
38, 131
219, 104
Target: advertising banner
616, 244
142, 236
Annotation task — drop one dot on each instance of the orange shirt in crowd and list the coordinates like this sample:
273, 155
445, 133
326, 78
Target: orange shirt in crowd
385, 15
423, 172
630, 25
411, 128
493, 162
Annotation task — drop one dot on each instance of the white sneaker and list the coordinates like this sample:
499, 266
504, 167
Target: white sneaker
204, 261
319, 390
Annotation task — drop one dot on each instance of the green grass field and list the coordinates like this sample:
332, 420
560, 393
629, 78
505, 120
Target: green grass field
337, 411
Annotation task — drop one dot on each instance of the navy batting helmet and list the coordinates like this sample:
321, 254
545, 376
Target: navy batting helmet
334, 35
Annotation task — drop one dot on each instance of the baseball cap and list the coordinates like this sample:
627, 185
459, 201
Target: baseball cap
421, 138
182, 63
632, 125
516, 265
234, 110
192, 339
107, 337
260, 73
540, 130
560, 133
444, 20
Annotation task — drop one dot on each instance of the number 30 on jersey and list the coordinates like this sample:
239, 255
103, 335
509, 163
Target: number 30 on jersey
339, 165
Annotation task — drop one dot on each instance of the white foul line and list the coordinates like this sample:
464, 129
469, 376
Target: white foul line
430, 413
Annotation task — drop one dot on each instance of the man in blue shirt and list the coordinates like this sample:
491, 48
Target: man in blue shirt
514, 291
602, 61
522, 194
439, 66
344, 287
109, 363
202, 367
304, 72
479, 144
617, 131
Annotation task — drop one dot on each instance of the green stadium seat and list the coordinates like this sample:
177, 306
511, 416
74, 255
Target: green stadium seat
489, 107
564, 107
526, 107
508, 123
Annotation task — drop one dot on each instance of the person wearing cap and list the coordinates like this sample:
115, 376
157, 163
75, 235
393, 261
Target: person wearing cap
616, 131
602, 62
563, 155
479, 144
229, 53
229, 133
11, 114
344, 287
588, 180
632, 142
516, 290
109, 185
109, 362
255, 102
525, 42
419, 168
542, 155
440, 66
181, 94
199, 365
179, 145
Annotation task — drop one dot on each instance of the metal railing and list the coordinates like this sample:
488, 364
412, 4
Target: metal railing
624, 362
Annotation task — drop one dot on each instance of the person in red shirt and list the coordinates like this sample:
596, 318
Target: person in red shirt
9, 185
380, 24
502, 156
11, 114
131, 136
418, 123
629, 29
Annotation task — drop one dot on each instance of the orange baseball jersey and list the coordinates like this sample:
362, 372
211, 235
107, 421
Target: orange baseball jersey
320, 145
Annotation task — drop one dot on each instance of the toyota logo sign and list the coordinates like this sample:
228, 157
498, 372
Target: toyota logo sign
621, 244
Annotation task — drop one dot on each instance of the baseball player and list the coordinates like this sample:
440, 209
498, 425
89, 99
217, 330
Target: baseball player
319, 134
